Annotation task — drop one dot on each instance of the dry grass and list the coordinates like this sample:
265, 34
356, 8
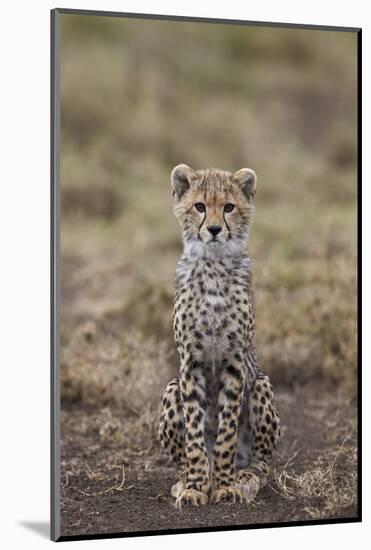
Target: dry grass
134, 104
98, 369
329, 485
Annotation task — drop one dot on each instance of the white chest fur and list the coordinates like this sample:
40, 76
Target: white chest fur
211, 289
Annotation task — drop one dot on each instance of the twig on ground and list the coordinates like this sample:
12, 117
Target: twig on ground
100, 493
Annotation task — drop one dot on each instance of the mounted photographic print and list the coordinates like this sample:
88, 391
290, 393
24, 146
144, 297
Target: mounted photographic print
205, 203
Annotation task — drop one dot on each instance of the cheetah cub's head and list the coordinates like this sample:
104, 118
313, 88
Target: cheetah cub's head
214, 209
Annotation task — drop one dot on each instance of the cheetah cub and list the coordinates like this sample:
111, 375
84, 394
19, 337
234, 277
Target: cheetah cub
219, 423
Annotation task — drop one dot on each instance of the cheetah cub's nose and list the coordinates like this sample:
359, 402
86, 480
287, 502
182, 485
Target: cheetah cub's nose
214, 229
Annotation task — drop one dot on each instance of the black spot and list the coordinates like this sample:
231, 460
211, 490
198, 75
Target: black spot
234, 372
194, 396
233, 424
230, 394
203, 404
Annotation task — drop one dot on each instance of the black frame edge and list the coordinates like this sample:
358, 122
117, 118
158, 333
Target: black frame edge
359, 268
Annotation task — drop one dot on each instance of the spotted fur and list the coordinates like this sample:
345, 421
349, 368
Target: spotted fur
219, 422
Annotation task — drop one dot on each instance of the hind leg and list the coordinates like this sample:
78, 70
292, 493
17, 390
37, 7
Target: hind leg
263, 431
171, 432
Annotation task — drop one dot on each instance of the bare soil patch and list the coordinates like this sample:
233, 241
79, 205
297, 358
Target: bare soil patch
114, 477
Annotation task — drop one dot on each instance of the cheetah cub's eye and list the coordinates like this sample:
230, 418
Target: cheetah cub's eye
229, 207
200, 207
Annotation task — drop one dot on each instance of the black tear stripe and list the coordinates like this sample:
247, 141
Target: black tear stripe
229, 231
199, 229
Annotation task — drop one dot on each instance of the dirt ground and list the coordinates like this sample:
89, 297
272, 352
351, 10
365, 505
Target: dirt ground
312, 476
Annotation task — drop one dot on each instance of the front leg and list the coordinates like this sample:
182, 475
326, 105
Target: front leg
229, 405
192, 387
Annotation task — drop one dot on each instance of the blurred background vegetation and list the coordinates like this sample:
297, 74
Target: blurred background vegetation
139, 97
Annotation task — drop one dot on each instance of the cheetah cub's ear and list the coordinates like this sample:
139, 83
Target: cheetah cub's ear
180, 180
246, 180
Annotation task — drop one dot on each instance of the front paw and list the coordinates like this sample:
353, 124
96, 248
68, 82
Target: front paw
231, 493
178, 488
191, 496
249, 485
